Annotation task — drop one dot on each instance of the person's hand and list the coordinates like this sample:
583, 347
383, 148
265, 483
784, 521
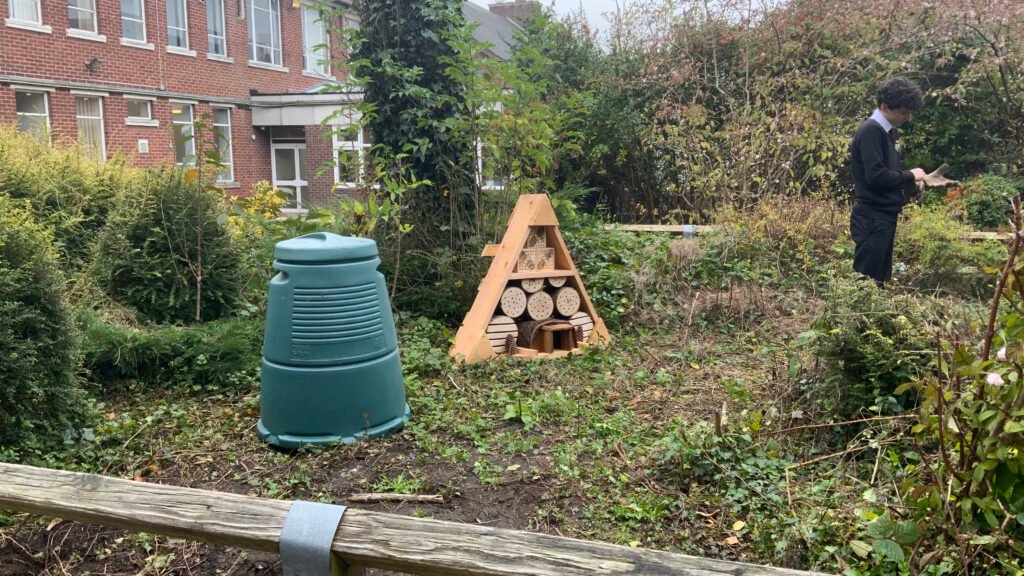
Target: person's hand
918, 174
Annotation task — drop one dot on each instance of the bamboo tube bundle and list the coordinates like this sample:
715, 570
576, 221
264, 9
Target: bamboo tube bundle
567, 301
540, 306
531, 285
513, 302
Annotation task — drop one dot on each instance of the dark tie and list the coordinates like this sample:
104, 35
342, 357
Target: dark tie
892, 136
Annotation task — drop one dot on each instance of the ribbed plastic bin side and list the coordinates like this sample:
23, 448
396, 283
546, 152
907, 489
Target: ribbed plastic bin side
331, 369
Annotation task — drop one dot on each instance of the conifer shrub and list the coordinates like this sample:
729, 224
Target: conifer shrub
69, 191
118, 355
39, 392
166, 247
867, 342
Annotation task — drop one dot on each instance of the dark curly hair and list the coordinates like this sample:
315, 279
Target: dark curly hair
900, 92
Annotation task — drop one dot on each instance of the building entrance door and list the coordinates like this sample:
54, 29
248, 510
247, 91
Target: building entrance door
289, 169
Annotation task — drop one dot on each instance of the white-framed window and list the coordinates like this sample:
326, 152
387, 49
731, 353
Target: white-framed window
265, 32
26, 11
177, 24
352, 157
222, 132
133, 20
288, 168
140, 111
217, 42
488, 173
33, 112
182, 117
82, 16
316, 51
89, 116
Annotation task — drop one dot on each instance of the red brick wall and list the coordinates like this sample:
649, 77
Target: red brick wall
58, 57
319, 150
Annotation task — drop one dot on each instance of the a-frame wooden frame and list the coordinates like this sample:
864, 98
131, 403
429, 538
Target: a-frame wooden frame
532, 211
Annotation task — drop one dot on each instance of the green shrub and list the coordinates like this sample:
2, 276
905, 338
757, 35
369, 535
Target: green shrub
869, 341
39, 394
208, 355
783, 239
931, 254
69, 191
613, 263
439, 284
166, 247
986, 201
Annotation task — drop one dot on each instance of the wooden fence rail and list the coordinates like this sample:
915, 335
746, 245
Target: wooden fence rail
699, 229
364, 538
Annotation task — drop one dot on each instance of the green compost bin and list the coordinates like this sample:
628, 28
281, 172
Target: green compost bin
331, 371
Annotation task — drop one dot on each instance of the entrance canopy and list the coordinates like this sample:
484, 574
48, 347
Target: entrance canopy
309, 108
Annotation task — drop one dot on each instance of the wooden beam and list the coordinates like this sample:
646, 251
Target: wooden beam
371, 539
678, 229
672, 228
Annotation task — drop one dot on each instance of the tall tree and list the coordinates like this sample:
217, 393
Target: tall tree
410, 102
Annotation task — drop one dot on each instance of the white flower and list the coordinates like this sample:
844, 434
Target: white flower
1001, 355
994, 379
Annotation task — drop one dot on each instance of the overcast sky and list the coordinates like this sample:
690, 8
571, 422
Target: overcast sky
592, 8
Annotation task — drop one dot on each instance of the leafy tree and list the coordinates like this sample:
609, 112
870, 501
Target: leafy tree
410, 103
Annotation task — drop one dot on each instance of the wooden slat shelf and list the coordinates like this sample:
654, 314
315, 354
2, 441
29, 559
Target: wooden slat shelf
541, 274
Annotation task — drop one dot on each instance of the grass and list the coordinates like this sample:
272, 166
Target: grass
690, 433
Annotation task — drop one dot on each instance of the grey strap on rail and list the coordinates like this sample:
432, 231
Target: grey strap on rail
307, 536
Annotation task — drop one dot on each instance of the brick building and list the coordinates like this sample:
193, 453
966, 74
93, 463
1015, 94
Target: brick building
130, 76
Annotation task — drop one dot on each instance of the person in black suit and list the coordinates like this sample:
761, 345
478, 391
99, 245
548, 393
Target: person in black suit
878, 179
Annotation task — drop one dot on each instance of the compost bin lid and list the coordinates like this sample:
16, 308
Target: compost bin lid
325, 247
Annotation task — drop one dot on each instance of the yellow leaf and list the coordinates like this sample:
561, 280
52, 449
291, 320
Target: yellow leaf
738, 525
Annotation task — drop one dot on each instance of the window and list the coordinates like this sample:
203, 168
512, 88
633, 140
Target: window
184, 147
89, 115
177, 24
33, 113
133, 20
222, 130
352, 155
140, 111
315, 49
265, 32
217, 42
488, 170
28, 11
82, 15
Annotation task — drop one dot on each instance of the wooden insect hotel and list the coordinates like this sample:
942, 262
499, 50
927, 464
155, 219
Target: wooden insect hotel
532, 302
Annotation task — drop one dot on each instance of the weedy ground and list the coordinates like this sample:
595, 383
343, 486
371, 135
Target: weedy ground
580, 446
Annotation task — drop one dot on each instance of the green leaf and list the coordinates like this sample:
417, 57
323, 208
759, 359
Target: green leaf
860, 548
1013, 427
906, 532
889, 550
983, 539
881, 527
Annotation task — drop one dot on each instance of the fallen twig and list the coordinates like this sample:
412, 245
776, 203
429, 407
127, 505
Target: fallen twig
846, 423
391, 497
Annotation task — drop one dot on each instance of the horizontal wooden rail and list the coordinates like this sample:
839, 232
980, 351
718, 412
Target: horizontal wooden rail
698, 229
364, 538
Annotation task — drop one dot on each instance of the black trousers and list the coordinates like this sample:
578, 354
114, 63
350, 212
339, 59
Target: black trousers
873, 238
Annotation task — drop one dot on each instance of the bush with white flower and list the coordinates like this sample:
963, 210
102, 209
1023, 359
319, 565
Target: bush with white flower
969, 486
